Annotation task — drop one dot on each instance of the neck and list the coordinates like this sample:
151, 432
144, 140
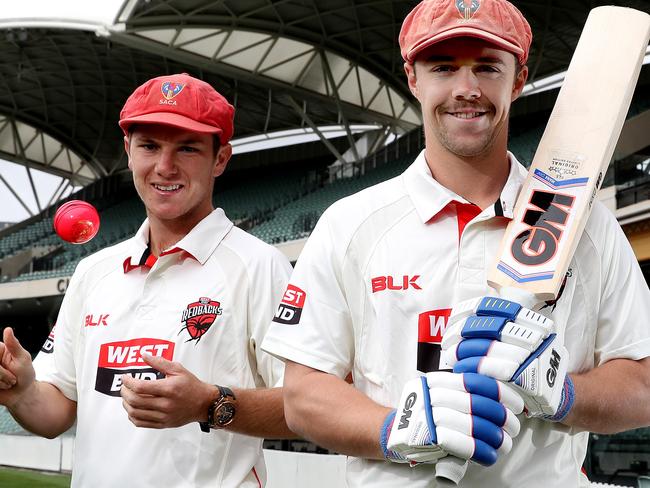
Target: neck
478, 179
165, 234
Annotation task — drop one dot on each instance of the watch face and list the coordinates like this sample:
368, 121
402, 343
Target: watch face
224, 414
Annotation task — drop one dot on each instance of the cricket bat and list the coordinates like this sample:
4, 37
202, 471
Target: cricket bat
568, 167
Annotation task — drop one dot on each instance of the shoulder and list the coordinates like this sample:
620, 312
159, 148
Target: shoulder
253, 251
386, 201
602, 229
103, 260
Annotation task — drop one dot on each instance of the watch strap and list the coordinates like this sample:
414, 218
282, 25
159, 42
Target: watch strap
224, 392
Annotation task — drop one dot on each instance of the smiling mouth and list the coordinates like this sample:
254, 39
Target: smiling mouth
466, 115
166, 187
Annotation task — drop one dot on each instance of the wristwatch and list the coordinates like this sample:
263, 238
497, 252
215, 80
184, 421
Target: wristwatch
222, 411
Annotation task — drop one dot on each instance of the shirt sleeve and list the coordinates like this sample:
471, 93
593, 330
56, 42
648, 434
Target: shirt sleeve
55, 363
623, 331
313, 325
267, 287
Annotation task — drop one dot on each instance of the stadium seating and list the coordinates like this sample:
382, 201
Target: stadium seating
8, 425
297, 219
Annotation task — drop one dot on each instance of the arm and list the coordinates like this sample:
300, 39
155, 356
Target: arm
181, 398
607, 398
37, 406
332, 413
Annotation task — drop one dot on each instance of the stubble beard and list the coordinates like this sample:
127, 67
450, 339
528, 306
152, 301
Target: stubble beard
466, 146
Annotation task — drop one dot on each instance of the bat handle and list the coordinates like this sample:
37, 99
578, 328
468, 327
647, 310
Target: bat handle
449, 471
519, 295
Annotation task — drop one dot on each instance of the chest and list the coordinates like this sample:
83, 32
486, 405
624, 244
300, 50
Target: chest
412, 278
183, 311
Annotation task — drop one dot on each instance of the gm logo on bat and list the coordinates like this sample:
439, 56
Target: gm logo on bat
546, 217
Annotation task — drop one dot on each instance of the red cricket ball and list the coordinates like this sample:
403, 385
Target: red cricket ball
76, 221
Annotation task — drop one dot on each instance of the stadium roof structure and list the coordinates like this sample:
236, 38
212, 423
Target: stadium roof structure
66, 68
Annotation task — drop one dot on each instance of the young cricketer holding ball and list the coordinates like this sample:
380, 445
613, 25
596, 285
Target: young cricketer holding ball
185, 302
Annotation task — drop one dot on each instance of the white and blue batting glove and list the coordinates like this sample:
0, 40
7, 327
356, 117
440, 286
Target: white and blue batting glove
470, 416
501, 339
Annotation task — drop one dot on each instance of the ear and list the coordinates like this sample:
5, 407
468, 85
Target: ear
409, 69
127, 151
221, 160
520, 82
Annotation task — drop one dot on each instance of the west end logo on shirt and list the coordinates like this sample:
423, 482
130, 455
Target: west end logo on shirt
432, 325
290, 308
169, 91
48, 346
199, 316
125, 357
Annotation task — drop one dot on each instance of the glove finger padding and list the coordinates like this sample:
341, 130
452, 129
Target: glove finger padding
501, 339
488, 357
445, 413
498, 319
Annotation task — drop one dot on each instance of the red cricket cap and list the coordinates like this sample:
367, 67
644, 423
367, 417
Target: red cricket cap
180, 101
496, 21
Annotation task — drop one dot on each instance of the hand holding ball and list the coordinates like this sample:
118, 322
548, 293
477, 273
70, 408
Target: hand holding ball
76, 221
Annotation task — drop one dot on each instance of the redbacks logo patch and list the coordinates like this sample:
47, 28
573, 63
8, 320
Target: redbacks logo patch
48, 346
290, 308
431, 327
199, 316
125, 357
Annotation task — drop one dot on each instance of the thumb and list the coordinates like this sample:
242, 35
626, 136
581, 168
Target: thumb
163, 365
12, 344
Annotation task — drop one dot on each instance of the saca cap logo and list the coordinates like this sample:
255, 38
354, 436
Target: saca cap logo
467, 8
199, 316
170, 90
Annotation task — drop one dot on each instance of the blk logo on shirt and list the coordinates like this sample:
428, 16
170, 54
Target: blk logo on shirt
125, 357
199, 316
431, 327
381, 283
290, 308
93, 320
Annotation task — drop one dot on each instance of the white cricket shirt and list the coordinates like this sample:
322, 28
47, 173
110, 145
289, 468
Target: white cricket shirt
207, 304
374, 285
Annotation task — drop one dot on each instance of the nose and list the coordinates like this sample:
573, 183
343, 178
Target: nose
166, 164
466, 85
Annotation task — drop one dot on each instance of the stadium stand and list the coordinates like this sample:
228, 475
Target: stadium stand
8, 425
297, 219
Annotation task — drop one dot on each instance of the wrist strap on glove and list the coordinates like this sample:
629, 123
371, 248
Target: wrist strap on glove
383, 438
566, 401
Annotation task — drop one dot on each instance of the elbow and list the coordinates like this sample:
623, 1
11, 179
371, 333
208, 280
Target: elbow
294, 391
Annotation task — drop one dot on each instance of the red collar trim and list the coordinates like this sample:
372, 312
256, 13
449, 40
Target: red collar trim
147, 260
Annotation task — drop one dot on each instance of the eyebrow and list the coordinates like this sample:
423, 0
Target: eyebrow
188, 141
438, 58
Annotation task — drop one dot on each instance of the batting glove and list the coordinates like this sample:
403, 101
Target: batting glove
470, 416
501, 339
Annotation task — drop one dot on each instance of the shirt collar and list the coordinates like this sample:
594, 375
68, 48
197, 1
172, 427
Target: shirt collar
199, 243
430, 197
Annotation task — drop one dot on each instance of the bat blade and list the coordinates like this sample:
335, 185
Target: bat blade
573, 154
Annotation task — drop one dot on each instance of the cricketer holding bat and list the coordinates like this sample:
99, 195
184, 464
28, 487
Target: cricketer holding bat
375, 285
185, 302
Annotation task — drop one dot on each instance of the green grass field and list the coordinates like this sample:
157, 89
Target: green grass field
22, 478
